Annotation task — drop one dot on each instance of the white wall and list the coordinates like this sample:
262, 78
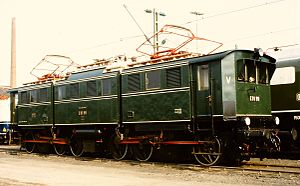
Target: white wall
4, 110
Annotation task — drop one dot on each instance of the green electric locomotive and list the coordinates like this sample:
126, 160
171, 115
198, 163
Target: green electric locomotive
217, 105
285, 101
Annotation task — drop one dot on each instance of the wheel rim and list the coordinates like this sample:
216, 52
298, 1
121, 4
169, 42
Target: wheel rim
118, 151
29, 146
142, 152
60, 149
76, 147
208, 154
276, 142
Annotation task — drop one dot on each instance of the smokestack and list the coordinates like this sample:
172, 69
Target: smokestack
13, 80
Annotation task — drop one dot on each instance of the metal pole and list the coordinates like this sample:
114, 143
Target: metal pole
156, 31
197, 18
155, 27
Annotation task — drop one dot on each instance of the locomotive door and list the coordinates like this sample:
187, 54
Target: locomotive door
202, 91
206, 94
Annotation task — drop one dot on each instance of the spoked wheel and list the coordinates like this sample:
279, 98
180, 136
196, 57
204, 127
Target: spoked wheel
142, 152
118, 150
275, 140
76, 146
209, 153
60, 149
28, 144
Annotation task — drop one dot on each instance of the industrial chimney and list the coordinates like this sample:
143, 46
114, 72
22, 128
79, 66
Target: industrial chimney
13, 54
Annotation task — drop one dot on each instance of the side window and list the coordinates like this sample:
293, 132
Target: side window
43, 95
61, 92
284, 75
91, 89
152, 80
134, 83
24, 97
173, 77
33, 96
74, 90
203, 77
106, 87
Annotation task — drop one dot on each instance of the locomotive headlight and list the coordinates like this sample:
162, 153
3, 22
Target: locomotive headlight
277, 120
247, 121
258, 52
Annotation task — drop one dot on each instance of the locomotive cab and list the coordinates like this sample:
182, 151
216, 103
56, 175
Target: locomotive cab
253, 100
246, 88
235, 87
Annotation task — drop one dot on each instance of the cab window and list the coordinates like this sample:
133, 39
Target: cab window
43, 95
106, 87
91, 89
152, 80
33, 96
61, 92
284, 75
24, 97
253, 71
241, 70
74, 90
203, 77
263, 74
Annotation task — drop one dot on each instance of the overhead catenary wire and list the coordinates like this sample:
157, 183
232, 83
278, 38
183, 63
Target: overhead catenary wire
121, 39
137, 23
263, 34
233, 11
189, 22
106, 43
244, 9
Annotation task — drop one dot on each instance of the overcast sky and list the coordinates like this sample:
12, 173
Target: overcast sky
89, 29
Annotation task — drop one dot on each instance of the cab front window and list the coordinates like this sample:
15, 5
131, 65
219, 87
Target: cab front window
252, 71
263, 75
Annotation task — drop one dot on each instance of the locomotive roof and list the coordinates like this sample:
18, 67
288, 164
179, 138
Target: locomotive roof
295, 62
221, 55
94, 72
100, 71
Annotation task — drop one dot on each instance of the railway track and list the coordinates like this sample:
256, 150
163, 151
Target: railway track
245, 168
276, 168
248, 168
259, 168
